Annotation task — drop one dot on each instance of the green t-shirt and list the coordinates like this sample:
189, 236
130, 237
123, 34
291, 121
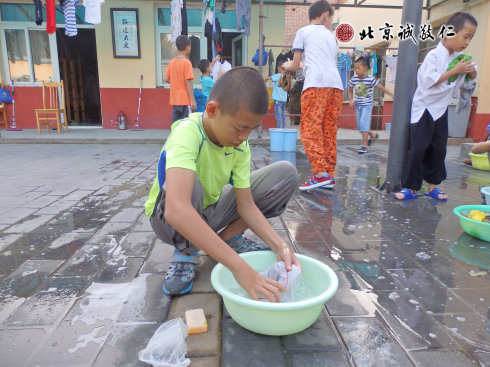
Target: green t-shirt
188, 147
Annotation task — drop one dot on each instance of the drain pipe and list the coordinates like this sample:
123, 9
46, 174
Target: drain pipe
406, 76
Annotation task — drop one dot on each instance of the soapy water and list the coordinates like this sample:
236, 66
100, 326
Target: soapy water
304, 292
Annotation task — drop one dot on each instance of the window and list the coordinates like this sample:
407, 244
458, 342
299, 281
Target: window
29, 56
25, 13
166, 50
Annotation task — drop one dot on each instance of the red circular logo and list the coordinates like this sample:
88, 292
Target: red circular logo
344, 33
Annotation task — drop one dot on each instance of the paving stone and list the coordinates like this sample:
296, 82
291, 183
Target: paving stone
413, 325
208, 343
77, 195
213, 361
202, 281
13, 216
442, 358
65, 246
120, 270
473, 297
126, 215
345, 301
72, 344
55, 208
147, 303
319, 359
41, 201
318, 337
472, 328
49, 304
429, 292
143, 225
87, 261
18, 345
157, 262
111, 233
8, 239
241, 347
29, 224
8, 305
123, 344
137, 244
28, 277
370, 342
301, 230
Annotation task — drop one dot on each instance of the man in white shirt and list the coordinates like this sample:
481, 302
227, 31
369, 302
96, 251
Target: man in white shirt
428, 129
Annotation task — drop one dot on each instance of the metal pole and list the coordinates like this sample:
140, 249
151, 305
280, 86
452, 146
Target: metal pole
406, 76
261, 45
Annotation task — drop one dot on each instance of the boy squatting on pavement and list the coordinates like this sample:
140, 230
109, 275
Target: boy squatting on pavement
204, 196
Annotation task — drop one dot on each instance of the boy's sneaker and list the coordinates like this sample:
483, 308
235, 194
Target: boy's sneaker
362, 150
324, 181
180, 274
242, 244
373, 140
331, 185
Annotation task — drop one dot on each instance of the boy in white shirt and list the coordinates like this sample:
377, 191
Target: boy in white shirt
315, 50
428, 129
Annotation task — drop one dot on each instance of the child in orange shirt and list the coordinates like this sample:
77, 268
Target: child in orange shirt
179, 75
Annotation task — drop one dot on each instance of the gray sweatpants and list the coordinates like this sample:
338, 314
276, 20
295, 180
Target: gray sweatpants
272, 186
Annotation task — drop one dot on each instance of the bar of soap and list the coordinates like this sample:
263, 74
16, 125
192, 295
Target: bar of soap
196, 321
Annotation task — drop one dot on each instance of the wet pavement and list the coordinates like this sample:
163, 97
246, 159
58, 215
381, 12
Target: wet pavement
81, 270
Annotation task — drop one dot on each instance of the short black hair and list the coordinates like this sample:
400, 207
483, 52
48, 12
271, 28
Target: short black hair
242, 86
279, 63
364, 60
182, 42
458, 20
203, 65
319, 7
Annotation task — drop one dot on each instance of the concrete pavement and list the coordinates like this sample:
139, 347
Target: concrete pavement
81, 270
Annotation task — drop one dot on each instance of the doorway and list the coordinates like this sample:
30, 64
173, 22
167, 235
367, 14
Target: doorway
234, 45
77, 58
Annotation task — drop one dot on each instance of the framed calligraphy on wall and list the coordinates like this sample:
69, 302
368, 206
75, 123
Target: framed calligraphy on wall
125, 33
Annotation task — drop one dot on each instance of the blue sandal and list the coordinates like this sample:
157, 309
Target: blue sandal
407, 194
434, 194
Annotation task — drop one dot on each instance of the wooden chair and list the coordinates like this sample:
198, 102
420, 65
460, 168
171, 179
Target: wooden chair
3, 113
53, 106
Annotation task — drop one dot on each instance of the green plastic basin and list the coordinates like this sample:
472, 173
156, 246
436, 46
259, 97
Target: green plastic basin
276, 318
474, 228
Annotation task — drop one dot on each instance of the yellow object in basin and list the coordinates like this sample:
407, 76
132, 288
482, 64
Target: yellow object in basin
477, 215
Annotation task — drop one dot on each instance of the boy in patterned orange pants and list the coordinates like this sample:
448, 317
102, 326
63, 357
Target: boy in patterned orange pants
321, 100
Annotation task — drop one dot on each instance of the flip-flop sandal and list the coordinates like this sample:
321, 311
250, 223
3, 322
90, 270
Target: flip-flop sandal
373, 140
434, 194
407, 194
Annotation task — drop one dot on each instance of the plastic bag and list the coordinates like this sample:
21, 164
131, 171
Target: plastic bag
5, 96
167, 347
290, 279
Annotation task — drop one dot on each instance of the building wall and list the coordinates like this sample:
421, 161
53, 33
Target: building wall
125, 73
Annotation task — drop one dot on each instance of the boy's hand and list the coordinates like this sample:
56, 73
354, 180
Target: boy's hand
285, 254
256, 285
463, 67
193, 106
351, 103
287, 65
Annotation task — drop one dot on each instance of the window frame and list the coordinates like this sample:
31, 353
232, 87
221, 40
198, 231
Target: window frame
53, 49
160, 29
